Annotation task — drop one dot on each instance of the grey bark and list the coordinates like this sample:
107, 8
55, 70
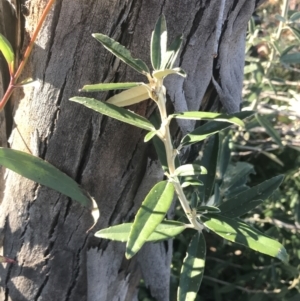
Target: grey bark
45, 231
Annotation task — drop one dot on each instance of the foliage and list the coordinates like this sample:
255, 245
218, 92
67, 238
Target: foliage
213, 192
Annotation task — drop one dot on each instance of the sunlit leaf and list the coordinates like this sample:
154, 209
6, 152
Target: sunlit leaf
149, 136
210, 128
122, 53
208, 116
8, 53
172, 53
129, 97
165, 230
190, 170
44, 173
149, 216
115, 112
237, 231
249, 199
192, 269
159, 42
163, 73
109, 86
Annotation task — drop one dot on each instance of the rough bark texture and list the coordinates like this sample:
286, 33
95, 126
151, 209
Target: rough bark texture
45, 231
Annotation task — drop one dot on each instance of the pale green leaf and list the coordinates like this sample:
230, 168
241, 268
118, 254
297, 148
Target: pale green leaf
149, 136
163, 73
109, 86
237, 231
129, 97
190, 170
250, 198
149, 216
44, 173
165, 230
159, 42
193, 182
122, 53
192, 269
8, 53
210, 128
208, 116
115, 112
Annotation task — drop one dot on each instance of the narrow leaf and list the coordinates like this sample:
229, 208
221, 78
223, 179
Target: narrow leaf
295, 16
163, 73
115, 112
193, 182
129, 97
210, 128
192, 269
241, 233
165, 230
249, 199
208, 209
8, 53
109, 86
172, 53
149, 216
44, 173
209, 116
159, 42
122, 53
264, 122
149, 136
290, 58
190, 170
209, 161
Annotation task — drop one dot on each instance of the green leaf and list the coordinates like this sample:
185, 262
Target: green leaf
192, 269
172, 53
149, 216
294, 17
208, 209
122, 53
44, 173
190, 170
191, 182
8, 53
149, 136
163, 73
159, 42
109, 86
296, 32
210, 128
241, 233
280, 18
209, 161
165, 230
130, 97
290, 58
223, 155
115, 112
249, 199
208, 116
264, 122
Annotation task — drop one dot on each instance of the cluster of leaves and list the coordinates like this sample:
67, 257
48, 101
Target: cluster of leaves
213, 203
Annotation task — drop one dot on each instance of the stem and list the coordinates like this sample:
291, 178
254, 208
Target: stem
14, 77
165, 136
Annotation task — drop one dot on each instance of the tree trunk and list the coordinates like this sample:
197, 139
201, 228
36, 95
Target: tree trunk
45, 231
